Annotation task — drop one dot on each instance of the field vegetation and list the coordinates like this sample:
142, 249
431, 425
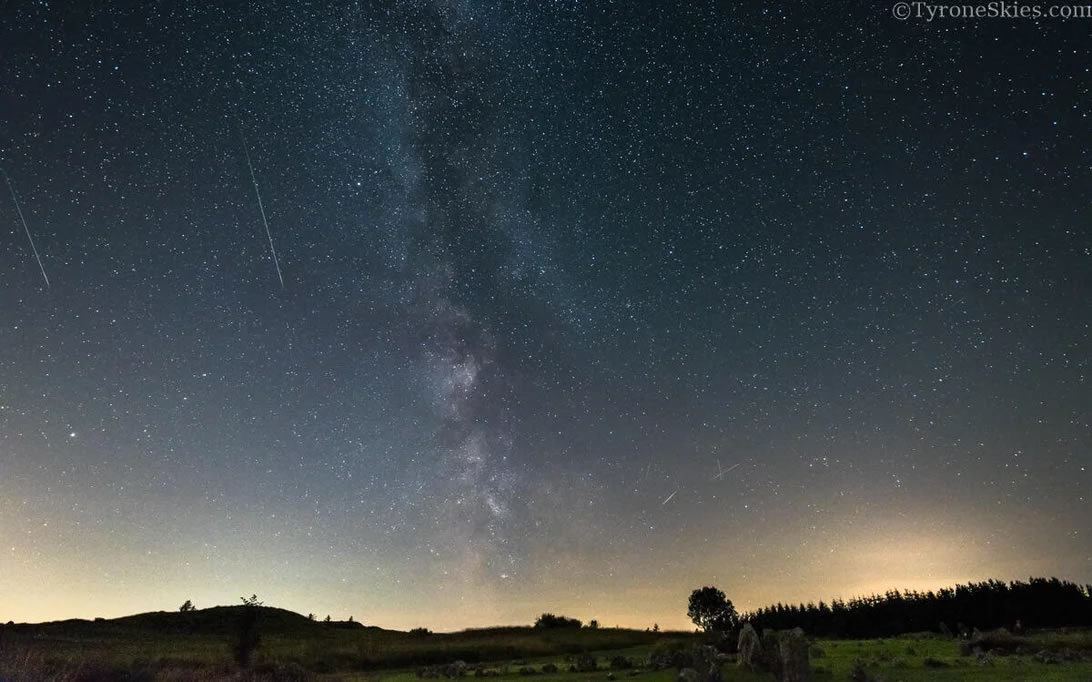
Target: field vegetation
254, 642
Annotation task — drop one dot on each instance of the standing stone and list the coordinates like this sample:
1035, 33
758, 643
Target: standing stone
707, 663
771, 653
794, 656
749, 647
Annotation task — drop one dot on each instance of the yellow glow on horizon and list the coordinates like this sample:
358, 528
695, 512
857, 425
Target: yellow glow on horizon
86, 574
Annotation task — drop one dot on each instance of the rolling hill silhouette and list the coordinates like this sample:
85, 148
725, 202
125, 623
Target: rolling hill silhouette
216, 620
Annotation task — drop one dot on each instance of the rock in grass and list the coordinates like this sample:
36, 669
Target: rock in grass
771, 653
620, 663
750, 648
689, 675
708, 663
794, 656
586, 663
1046, 656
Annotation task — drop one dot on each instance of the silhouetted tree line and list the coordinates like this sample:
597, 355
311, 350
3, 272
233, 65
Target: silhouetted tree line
549, 620
1040, 602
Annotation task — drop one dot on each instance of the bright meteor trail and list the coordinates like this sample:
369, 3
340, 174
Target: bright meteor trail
25, 228
254, 179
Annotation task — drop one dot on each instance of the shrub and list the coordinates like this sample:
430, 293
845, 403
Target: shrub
934, 662
549, 620
620, 663
672, 658
671, 654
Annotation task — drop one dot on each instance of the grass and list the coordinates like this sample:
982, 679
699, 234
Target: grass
163, 645
197, 648
929, 659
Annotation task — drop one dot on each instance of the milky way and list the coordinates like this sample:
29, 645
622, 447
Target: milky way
582, 306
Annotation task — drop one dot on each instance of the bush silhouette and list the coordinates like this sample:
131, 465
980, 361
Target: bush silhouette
252, 600
549, 620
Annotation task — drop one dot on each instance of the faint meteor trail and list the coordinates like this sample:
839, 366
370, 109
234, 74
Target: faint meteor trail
30, 239
669, 498
721, 472
268, 234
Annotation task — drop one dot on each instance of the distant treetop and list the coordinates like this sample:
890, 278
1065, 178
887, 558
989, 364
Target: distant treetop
549, 620
1040, 603
252, 600
711, 610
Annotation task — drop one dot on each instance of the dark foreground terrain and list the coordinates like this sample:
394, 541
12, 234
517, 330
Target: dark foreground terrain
281, 645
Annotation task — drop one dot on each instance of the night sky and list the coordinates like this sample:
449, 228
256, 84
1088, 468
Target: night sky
585, 305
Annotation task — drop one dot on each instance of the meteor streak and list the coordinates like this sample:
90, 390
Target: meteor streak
25, 228
254, 179
721, 472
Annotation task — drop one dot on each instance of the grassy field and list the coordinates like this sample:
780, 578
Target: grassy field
197, 647
906, 659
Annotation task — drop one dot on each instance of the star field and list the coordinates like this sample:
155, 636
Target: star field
544, 266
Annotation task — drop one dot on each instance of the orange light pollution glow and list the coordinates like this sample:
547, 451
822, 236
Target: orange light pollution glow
56, 567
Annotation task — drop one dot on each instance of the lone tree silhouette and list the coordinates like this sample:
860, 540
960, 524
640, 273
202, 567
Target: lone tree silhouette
711, 610
188, 606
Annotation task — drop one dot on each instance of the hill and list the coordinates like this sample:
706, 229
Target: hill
217, 620
149, 645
